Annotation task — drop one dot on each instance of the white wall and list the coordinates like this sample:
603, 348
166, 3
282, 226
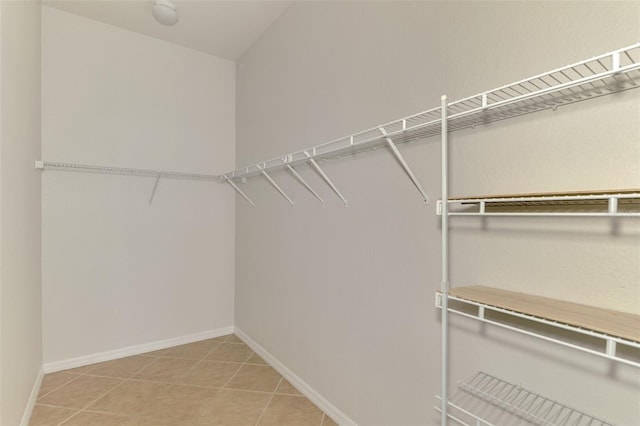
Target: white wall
117, 271
20, 293
344, 296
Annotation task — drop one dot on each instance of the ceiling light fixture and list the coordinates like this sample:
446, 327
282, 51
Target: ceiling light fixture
165, 12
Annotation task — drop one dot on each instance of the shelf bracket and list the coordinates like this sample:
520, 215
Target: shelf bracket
404, 165
275, 185
234, 186
304, 182
155, 186
38, 164
324, 176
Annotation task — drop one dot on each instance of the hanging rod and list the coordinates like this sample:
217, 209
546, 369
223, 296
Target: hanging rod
608, 73
87, 168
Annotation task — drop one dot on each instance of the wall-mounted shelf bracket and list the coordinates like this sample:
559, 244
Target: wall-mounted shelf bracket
324, 176
38, 164
404, 164
275, 185
304, 182
238, 190
153, 191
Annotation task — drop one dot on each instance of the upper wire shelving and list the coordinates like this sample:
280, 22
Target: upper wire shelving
608, 73
601, 75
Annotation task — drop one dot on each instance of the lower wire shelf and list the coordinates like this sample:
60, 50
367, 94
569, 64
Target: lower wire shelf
484, 400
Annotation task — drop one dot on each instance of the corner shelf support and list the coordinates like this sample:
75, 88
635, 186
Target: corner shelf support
234, 186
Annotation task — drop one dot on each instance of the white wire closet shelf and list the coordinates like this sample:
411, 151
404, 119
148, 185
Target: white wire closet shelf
601, 75
602, 332
608, 73
484, 400
616, 203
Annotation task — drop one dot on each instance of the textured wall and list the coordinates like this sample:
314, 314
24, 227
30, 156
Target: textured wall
117, 271
344, 296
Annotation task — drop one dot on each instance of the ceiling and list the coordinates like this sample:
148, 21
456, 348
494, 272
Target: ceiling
224, 28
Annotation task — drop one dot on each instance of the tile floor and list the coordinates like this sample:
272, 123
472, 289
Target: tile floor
213, 382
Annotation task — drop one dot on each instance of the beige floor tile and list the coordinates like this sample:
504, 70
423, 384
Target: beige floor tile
234, 408
165, 369
232, 338
180, 403
220, 338
150, 421
53, 381
86, 418
287, 388
80, 392
288, 410
123, 368
129, 398
44, 415
328, 421
255, 377
210, 373
255, 359
230, 352
197, 350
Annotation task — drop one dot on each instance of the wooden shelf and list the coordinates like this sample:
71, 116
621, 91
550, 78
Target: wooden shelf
619, 324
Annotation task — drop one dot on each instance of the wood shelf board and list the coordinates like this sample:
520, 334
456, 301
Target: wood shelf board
551, 194
614, 323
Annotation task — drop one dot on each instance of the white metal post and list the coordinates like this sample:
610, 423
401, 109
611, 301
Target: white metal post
445, 262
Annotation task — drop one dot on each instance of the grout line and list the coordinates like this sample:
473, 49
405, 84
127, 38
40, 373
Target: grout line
264, 410
59, 387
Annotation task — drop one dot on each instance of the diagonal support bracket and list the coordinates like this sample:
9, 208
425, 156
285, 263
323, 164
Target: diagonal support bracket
234, 186
325, 177
275, 185
155, 187
404, 165
304, 182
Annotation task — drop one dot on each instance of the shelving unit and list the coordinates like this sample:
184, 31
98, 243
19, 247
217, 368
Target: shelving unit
486, 400
613, 203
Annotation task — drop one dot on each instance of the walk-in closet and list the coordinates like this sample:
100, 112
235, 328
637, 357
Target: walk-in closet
316, 213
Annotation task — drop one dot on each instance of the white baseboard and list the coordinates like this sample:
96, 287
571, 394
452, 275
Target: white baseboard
31, 403
322, 403
81, 361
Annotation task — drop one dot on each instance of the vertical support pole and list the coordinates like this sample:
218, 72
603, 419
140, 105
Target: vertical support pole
611, 348
613, 205
445, 262
615, 61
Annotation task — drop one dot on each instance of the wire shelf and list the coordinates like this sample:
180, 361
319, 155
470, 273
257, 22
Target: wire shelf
87, 168
484, 399
618, 203
597, 340
601, 75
